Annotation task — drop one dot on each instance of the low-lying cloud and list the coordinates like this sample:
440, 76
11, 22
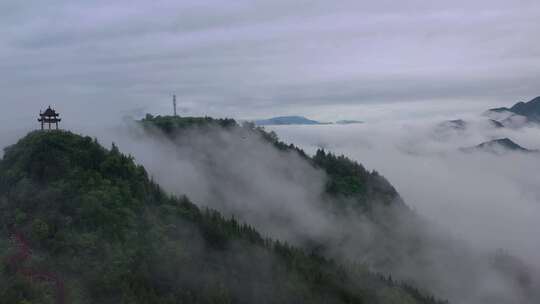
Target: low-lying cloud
490, 200
480, 202
475, 205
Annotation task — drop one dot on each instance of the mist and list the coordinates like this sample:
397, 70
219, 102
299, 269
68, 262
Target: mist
236, 173
401, 67
490, 200
470, 205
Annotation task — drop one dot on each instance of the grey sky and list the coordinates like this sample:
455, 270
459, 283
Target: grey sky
257, 58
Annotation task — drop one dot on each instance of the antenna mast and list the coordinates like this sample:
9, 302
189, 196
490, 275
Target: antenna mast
174, 104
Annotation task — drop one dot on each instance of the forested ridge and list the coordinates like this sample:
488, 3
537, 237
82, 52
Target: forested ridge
346, 177
94, 220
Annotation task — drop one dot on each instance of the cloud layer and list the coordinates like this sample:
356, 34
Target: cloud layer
475, 204
258, 58
492, 201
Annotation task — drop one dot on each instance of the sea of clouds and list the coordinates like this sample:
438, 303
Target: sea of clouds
477, 203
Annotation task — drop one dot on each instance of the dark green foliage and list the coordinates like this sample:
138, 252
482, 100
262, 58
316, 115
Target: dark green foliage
346, 178
94, 219
349, 179
172, 124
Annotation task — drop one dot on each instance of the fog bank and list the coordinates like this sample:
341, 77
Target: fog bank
465, 197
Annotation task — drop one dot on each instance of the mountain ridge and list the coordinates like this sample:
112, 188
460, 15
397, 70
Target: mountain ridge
346, 177
355, 194
498, 146
95, 219
530, 109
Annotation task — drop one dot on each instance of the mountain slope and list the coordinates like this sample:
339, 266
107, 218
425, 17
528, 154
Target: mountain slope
498, 146
93, 220
503, 142
456, 124
337, 208
495, 123
530, 109
345, 177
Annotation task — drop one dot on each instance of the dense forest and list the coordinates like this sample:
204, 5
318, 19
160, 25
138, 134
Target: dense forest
83, 224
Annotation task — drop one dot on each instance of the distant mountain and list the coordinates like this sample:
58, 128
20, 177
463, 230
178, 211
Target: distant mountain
287, 120
530, 110
300, 120
348, 122
503, 142
462, 125
496, 124
456, 124
499, 146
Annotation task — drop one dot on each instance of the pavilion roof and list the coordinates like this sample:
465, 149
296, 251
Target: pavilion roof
49, 112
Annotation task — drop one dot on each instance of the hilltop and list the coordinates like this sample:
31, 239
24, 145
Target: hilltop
530, 110
519, 115
456, 124
94, 220
498, 146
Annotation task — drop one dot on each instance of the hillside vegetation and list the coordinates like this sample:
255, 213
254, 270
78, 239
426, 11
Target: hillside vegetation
83, 224
363, 217
346, 178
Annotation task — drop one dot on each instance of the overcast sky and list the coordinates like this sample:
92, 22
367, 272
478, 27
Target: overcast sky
254, 58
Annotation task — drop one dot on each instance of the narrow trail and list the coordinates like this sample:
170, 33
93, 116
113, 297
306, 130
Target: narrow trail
24, 254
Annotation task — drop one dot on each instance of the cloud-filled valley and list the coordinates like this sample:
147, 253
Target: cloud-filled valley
438, 186
476, 204
492, 200
471, 208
